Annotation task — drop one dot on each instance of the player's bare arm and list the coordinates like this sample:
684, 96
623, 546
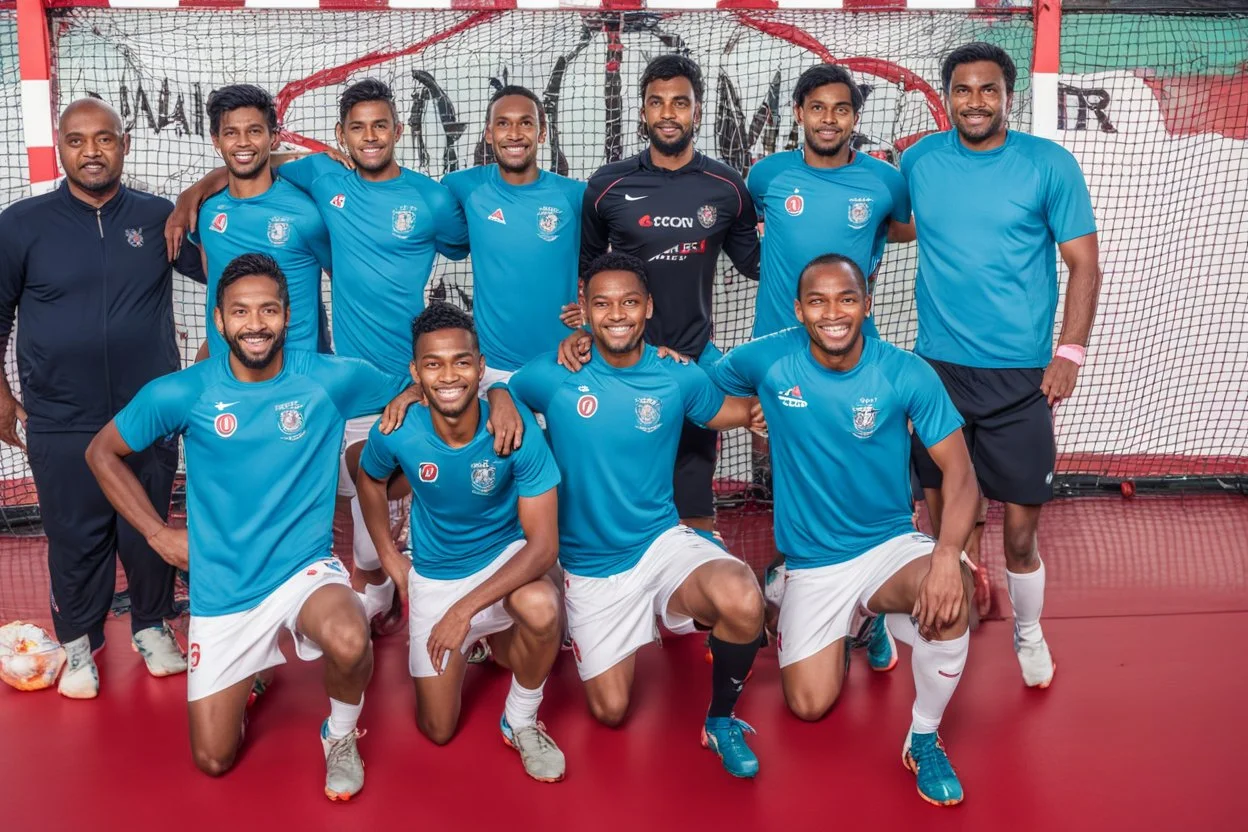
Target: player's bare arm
11, 410
375, 506
392, 416
106, 457
736, 412
941, 593
901, 232
504, 424
1081, 256
539, 518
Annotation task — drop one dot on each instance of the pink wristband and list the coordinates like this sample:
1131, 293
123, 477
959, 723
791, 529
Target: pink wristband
1073, 353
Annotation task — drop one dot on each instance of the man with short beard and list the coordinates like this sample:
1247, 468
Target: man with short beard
261, 428
85, 270
676, 210
524, 230
991, 205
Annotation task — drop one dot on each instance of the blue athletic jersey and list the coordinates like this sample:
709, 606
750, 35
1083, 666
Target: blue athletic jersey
987, 223
840, 449
283, 223
383, 236
615, 432
525, 241
464, 500
261, 464
808, 211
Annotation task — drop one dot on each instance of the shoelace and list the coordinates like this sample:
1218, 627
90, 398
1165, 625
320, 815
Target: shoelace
931, 756
345, 747
736, 734
543, 742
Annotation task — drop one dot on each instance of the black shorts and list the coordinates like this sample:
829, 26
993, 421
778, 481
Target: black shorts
695, 472
1009, 432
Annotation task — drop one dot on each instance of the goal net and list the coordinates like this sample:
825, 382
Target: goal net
1163, 397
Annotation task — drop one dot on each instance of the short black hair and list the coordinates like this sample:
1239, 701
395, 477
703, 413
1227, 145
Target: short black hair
818, 76
833, 260
250, 265
616, 261
516, 89
442, 315
979, 51
669, 66
235, 97
370, 89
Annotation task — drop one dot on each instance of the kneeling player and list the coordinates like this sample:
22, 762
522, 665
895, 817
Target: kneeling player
615, 427
485, 531
261, 428
837, 404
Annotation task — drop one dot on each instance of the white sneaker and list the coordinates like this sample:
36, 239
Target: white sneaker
1036, 662
344, 770
81, 678
160, 651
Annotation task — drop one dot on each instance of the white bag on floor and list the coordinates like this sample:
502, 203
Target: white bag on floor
30, 658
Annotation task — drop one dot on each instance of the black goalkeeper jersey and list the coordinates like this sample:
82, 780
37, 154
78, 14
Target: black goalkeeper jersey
677, 221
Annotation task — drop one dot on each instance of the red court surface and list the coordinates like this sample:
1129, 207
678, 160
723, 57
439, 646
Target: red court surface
1140, 729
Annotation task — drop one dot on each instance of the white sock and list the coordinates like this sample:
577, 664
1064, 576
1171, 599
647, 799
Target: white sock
522, 704
377, 598
343, 717
365, 552
1027, 597
937, 667
902, 628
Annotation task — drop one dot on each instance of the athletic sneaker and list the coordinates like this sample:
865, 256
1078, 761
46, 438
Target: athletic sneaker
344, 770
881, 649
542, 759
81, 678
726, 737
924, 754
160, 651
1036, 662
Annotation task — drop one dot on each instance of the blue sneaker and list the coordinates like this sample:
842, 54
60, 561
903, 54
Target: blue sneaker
726, 737
881, 649
924, 754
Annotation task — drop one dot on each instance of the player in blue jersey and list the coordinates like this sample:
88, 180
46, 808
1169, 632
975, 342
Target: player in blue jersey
485, 531
838, 405
258, 213
524, 229
990, 205
261, 428
615, 426
824, 197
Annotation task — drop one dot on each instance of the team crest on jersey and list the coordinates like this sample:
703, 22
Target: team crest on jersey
484, 477
338, 201
225, 424
219, 222
707, 215
864, 418
290, 420
548, 222
497, 216
859, 212
791, 397
649, 414
279, 230
587, 405
403, 220
795, 204
428, 472
134, 236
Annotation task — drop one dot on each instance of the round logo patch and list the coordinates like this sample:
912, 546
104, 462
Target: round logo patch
587, 406
225, 424
795, 205
428, 472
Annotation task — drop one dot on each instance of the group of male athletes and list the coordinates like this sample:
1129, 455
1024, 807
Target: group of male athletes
559, 445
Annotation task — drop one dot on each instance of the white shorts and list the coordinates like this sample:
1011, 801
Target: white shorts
357, 430
429, 599
226, 649
822, 605
611, 618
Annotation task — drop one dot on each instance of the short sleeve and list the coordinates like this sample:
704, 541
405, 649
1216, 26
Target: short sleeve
377, 459
733, 373
534, 385
535, 468
927, 404
756, 182
701, 398
1068, 204
160, 409
896, 185
356, 387
450, 224
304, 171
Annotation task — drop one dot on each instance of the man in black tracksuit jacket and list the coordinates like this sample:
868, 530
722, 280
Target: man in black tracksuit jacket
675, 209
86, 271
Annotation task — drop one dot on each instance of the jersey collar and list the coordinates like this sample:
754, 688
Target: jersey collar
696, 164
107, 208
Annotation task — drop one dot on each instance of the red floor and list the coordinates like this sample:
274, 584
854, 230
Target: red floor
1141, 729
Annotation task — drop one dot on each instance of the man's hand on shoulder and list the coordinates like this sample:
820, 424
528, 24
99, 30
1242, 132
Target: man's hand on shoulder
574, 350
392, 416
504, 424
668, 352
